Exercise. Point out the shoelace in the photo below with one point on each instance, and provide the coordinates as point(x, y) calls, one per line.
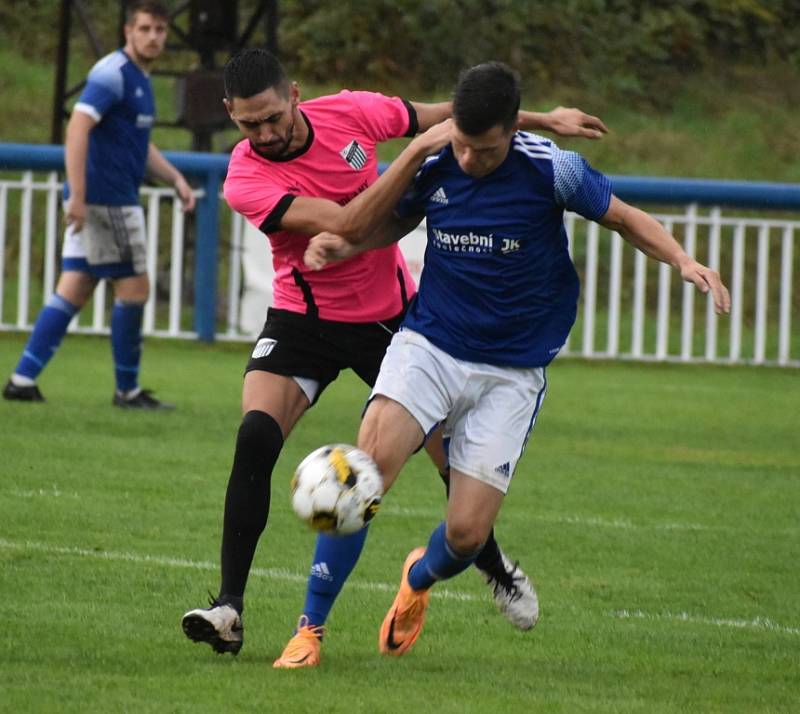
point(298, 645)
point(308, 632)
point(212, 601)
point(508, 582)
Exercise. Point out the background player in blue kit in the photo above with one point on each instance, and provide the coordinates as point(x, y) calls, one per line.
point(497, 298)
point(107, 152)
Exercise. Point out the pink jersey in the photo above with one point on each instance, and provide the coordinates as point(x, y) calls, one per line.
point(337, 163)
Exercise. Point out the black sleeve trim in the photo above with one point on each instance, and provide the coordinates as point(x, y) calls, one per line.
point(413, 122)
point(273, 221)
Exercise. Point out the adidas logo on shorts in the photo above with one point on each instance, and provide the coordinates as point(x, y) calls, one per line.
point(504, 469)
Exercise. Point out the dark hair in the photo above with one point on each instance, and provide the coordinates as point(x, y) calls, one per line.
point(156, 8)
point(252, 71)
point(486, 95)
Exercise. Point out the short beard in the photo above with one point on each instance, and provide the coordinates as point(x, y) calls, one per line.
point(269, 154)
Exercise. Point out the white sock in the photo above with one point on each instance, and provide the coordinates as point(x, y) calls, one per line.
point(19, 380)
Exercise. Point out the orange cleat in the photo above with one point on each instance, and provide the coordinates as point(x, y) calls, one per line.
point(405, 618)
point(303, 649)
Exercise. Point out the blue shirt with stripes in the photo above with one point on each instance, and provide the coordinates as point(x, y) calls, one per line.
point(119, 96)
point(498, 285)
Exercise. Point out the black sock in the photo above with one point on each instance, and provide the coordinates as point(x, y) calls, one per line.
point(258, 445)
point(489, 559)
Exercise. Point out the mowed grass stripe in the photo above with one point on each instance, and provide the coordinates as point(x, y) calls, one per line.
point(439, 592)
point(270, 573)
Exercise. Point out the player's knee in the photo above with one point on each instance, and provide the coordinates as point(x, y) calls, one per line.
point(135, 289)
point(464, 537)
point(260, 432)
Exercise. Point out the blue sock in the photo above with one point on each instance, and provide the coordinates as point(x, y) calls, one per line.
point(50, 328)
point(440, 562)
point(334, 559)
point(126, 343)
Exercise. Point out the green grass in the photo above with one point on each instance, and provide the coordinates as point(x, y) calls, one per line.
point(657, 509)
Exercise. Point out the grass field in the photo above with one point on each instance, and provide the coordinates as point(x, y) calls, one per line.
point(656, 508)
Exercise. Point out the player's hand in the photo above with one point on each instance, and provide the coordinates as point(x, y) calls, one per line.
point(325, 248)
point(706, 279)
point(569, 121)
point(75, 214)
point(435, 138)
point(185, 194)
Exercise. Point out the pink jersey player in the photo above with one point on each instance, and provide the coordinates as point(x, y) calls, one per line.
point(337, 162)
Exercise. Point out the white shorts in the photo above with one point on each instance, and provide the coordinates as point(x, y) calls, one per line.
point(110, 244)
point(487, 411)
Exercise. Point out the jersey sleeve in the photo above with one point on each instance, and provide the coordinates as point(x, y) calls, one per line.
point(578, 187)
point(383, 117)
point(104, 87)
point(249, 193)
point(414, 200)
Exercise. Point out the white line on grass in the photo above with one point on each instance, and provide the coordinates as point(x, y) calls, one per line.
point(436, 515)
point(759, 623)
point(443, 593)
point(595, 521)
point(272, 573)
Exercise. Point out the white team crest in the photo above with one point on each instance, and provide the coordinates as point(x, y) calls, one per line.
point(439, 196)
point(354, 155)
point(263, 347)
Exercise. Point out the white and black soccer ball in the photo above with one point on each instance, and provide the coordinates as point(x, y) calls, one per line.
point(337, 489)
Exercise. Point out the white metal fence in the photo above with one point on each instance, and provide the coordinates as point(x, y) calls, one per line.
point(631, 307)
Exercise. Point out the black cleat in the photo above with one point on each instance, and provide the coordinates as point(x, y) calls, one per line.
point(143, 400)
point(16, 393)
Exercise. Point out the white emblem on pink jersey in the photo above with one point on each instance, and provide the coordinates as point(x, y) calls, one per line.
point(354, 155)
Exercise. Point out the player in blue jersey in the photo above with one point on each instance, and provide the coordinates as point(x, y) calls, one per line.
point(497, 298)
point(291, 178)
point(107, 153)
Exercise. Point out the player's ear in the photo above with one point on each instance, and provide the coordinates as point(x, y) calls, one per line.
point(294, 93)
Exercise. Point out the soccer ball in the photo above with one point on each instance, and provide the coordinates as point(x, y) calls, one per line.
point(337, 489)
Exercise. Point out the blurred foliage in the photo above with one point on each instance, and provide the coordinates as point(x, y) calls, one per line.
point(677, 80)
point(630, 47)
point(627, 46)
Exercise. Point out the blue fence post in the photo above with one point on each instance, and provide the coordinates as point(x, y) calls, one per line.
point(206, 260)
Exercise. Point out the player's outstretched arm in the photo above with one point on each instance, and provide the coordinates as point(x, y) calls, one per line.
point(430, 114)
point(644, 232)
point(326, 247)
point(564, 121)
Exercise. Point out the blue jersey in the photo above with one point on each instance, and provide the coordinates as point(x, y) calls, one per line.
point(118, 95)
point(498, 284)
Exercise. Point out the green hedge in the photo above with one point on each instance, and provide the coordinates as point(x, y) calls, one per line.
point(633, 46)
point(626, 43)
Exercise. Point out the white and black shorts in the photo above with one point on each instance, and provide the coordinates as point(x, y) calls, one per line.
point(111, 243)
point(488, 412)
